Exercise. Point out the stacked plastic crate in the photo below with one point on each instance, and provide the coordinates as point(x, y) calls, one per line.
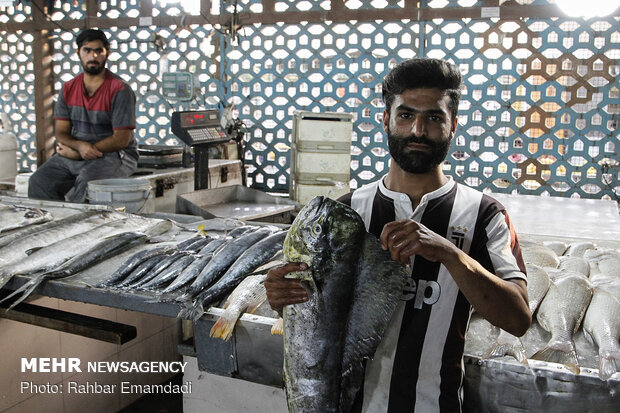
point(320, 155)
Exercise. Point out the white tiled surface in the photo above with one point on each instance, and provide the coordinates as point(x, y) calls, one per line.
point(156, 341)
point(213, 393)
point(563, 217)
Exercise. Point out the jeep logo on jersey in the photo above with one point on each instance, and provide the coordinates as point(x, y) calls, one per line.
point(425, 292)
point(457, 235)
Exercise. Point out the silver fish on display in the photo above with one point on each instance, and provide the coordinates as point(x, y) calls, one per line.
point(575, 264)
point(603, 261)
point(540, 255)
point(132, 263)
point(578, 249)
point(247, 296)
point(6, 239)
point(558, 247)
point(561, 313)
point(14, 217)
point(162, 265)
point(601, 326)
point(224, 258)
point(141, 270)
point(167, 275)
point(102, 250)
point(253, 257)
point(537, 285)
point(51, 256)
point(349, 274)
point(67, 227)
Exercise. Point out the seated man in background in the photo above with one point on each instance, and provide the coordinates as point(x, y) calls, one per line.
point(94, 122)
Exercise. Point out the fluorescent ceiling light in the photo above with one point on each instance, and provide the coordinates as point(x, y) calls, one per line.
point(587, 9)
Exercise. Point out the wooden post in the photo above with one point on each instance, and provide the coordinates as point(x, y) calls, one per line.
point(43, 87)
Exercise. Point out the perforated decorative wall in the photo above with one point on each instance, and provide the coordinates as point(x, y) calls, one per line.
point(538, 115)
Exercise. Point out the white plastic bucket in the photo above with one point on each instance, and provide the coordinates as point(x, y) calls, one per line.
point(132, 194)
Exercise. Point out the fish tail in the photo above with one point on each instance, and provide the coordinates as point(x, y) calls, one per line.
point(185, 310)
point(278, 327)
point(191, 311)
point(4, 278)
point(562, 352)
point(609, 363)
point(507, 349)
point(197, 311)
point(27, 289)
point(224, 326)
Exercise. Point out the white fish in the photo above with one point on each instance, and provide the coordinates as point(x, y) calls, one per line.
point(249, 294)
point(558, 247)
point(537, 285)
point(578, 249)
point(540, 255)
point(561, 313)
point(13, 217)
point(605, 261)
point(49, 257)
point(575, 264)
point(601, 325)
point(17, 249)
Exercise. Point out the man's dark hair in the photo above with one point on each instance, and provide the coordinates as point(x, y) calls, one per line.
point(423, 73)
point(88, 35)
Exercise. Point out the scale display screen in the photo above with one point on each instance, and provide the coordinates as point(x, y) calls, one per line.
point(198, 127)
point(177, 85)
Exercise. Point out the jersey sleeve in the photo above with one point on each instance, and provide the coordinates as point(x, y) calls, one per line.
point(124, 109)
point(61, 110)
point(503, 248)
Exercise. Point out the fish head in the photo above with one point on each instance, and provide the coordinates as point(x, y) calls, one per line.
point(323, 227)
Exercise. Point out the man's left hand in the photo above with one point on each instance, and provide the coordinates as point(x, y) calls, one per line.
point(406, 237)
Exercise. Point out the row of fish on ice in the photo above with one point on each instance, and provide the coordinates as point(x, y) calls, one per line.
point(201, 271)
point(33, 243)
point(570, 285)
point(196, 272)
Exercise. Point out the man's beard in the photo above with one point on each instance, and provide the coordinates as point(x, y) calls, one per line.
point(417, 162)
point(93, 70)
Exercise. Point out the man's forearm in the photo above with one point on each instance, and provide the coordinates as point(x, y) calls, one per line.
point(501, 302)
point(113, 143)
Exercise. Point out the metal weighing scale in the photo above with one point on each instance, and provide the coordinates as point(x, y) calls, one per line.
point(199, 129)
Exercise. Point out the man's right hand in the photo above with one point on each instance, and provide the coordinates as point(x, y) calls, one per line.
point(283, 291)
point(67, 152)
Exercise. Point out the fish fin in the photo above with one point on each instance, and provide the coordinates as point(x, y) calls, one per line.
point(515, 350)
point(609, 363)
point(278, 327)
point(32, 250)
point(253, 307)
point(224, 326)
point(562, 352)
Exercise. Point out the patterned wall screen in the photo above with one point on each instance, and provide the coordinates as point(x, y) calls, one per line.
point(539, 112)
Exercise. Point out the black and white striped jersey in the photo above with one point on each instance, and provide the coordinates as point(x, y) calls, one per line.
point(418, 366)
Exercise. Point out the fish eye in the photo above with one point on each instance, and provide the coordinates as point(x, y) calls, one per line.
point(316, 229)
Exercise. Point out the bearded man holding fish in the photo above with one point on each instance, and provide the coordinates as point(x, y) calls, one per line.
point(460, 247)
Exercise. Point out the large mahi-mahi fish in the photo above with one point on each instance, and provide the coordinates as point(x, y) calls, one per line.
point(353, 288)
